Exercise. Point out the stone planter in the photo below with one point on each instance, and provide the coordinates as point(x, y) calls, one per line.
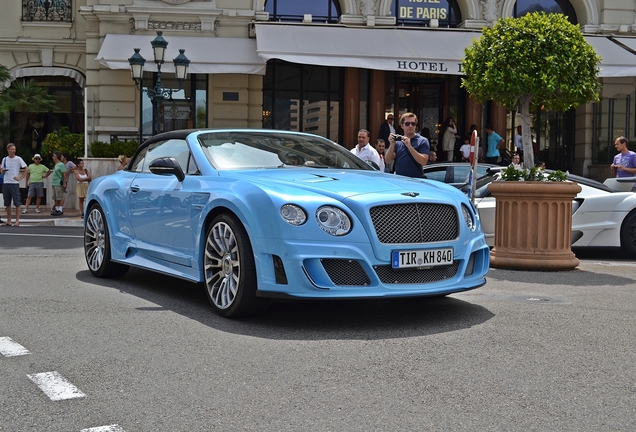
point(533, 225)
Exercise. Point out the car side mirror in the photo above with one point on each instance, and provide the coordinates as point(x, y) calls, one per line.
point(167, 166)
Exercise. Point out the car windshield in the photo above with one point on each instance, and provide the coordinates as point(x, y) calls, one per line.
point(267, 149)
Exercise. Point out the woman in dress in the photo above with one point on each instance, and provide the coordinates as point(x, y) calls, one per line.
point(448, 138)
point(83, 177)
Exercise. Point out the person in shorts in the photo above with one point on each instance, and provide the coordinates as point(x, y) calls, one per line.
point(10, 166)
point(83, 178)
point(59, 183)
point(70, 168)
point(35, 183)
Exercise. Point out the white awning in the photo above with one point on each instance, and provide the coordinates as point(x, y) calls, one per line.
point(628, 42)
point(616, 61)
point(49, 71)
point(437, 51)
point(208, 55)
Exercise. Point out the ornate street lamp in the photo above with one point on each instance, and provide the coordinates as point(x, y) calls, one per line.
point(158, 93)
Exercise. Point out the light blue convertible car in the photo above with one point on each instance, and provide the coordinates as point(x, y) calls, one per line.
point(262, 214)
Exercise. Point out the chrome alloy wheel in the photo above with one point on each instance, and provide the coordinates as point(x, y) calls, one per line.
point(222, 265)
point(94, 240)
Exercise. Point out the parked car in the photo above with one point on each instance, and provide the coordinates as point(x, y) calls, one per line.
point(454, 173)
point(601, 215)
point(256, 214)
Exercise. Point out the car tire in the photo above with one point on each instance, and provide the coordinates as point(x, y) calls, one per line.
point(97, 245)
point(628, 234)
point(229, 269)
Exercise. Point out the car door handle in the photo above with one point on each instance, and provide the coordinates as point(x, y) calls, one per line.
point(134, 188)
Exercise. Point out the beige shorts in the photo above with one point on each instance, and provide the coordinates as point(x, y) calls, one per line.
point(58, 193)
point(81, 190)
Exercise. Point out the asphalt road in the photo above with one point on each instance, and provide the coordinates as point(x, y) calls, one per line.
point(529, 351)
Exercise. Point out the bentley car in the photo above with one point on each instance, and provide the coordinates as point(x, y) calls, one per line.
point(262, 214)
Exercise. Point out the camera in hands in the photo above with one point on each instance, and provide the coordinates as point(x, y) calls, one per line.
point(397, 137)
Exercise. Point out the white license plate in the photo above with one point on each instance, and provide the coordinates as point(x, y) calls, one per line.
point(422, 258)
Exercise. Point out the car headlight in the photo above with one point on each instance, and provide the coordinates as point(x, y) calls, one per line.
point(293, 215)
point(333, 221)
point(468, 218)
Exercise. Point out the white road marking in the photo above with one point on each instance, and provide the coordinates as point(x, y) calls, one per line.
point(10, 348)
point(55, 386)
point(109, 428)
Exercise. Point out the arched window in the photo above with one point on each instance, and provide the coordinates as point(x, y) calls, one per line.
point(294, 10)
point(564, 7)
point(420, 14)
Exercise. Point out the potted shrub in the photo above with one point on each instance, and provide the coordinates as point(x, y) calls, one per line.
point(533, 220)
point(537, 60)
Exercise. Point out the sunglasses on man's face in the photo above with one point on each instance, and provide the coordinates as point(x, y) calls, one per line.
point(410, 123)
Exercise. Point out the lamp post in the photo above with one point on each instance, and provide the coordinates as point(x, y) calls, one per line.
point(158, 93)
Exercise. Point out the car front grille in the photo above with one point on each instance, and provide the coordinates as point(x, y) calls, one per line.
point(389, 275)
point(415, 223)
point(345, 272)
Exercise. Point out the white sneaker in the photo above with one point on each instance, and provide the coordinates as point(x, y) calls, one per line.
point(24, 211)
point(37, 210)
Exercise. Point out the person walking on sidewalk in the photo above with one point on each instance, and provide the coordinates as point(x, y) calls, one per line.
point(35, 183)
point(10, 167)
point(59, 183)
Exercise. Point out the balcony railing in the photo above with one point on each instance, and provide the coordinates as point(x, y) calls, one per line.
point(47, 11)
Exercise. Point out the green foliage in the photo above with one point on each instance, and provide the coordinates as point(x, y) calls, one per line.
point(557, 176)
point(533, 174)
point(539, 55)
point(26, 98)
point(4, 75)
point(114, 149)
point(72, 145)
point(511, 174)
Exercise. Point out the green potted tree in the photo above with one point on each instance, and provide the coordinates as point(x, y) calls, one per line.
point(524, 63)
point(533, 220)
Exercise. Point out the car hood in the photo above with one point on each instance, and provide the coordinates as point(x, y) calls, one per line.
point(338, 184)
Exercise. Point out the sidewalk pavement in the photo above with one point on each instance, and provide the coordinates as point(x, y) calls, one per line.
point(71, 217)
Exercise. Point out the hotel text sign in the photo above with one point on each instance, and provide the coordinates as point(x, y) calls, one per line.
point(430, 67)
point(422, 9)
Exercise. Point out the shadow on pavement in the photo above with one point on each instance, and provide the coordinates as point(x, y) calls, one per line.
point(303, 320)
point(574, 278)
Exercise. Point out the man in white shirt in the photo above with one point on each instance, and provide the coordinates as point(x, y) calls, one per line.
point(11, 166)
point(364, 150)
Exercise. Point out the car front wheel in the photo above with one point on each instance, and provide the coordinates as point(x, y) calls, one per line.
point(230, 273)
point(628, 234)
point(97, 245)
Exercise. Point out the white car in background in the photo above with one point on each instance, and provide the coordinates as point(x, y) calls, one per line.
point(603, 214)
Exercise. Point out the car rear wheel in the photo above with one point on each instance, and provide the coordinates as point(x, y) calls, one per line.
point(230, 273)
point(97, 245)
point(628, 234)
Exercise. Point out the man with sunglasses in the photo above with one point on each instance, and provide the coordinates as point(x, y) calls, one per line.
point(410, 151)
